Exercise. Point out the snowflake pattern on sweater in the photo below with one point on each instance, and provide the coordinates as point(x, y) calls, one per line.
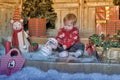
point(68, 38)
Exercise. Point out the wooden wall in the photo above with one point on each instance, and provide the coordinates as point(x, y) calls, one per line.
point(7, 8)
point(83, 9)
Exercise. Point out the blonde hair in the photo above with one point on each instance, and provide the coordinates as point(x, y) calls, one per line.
point(70, 17)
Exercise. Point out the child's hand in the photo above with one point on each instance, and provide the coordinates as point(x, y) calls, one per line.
point(64, 46)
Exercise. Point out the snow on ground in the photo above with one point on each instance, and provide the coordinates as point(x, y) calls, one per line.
point(38, 56)
point(31, 73)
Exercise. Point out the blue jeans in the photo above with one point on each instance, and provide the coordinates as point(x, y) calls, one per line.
point(73, 48)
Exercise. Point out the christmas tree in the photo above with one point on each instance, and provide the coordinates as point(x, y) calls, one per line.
point(39, 9)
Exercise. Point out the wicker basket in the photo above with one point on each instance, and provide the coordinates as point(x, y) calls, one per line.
point(99, 50)
point(112, 55)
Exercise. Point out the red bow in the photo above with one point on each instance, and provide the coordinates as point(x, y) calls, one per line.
point(90, 48)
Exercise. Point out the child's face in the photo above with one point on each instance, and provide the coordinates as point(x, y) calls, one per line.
point(68, 25)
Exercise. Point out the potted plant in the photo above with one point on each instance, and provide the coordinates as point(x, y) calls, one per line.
point(108, 46)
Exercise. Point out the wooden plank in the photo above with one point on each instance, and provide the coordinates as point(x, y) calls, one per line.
point(42, 40)
point(65, 1)
point(104, 68)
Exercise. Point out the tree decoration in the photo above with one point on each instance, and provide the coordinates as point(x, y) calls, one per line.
point(39, 9)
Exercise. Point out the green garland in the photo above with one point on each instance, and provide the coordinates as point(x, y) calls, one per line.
point(108, 41)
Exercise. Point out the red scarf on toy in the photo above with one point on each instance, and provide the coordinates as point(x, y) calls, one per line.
point(15, 38)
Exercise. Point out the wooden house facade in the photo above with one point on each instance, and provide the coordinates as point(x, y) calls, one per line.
point(83, 9)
